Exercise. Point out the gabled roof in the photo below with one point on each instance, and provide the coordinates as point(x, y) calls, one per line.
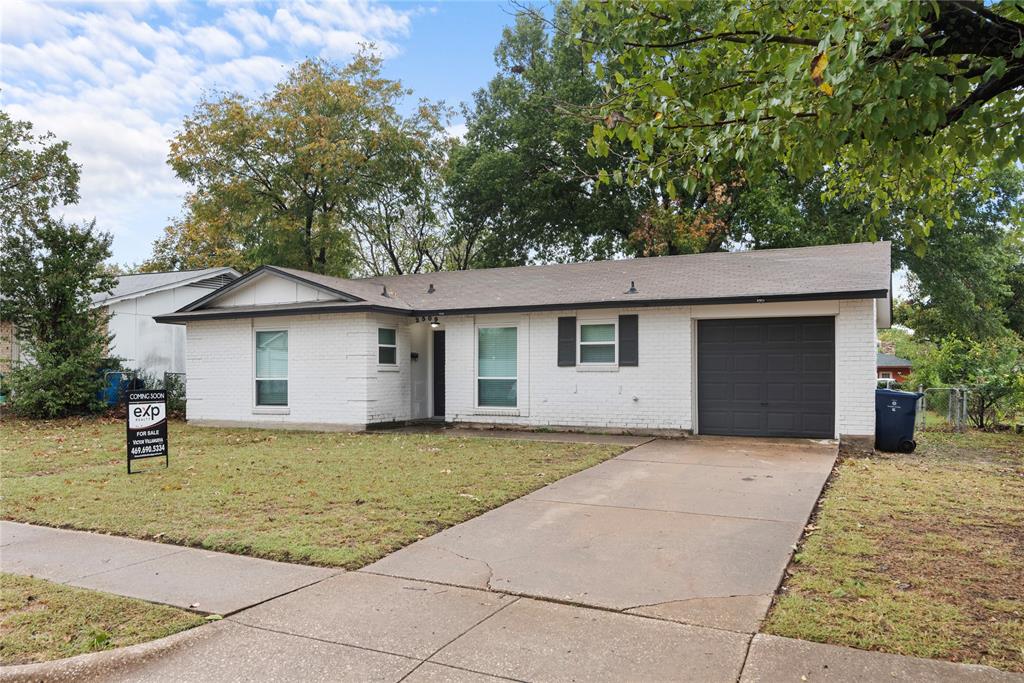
point(887, 360)
point(847, 271)
point(809, 272)
point(141, 284)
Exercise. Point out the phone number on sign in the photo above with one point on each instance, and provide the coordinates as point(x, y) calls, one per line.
point(155, 449)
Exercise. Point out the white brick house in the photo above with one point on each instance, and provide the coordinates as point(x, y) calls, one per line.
point(773, 342)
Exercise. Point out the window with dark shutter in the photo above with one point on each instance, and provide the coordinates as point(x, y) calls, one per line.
point(629, 353)
point(566, 341)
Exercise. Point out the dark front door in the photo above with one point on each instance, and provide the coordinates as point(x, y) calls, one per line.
point(766, 377)
point(438, 364)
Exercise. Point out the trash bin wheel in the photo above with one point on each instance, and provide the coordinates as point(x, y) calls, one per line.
point(907, 446)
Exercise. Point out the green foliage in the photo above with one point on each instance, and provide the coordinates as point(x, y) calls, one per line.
point(36, 174)
point(963, 283)
point(992, 369)
point(898, 101)
point(521, 185)
point(280, 178)
point(48, 274)
point(49, 271)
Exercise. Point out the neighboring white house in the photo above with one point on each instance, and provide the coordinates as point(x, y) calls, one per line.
point(139, 341)
point(773, 342)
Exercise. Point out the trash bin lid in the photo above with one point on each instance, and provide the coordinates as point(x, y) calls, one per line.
point(897, 394)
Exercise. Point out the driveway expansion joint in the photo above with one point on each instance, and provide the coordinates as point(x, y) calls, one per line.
point(322, 640)
point(280, 595)
point(668, 512)
point(435, 652)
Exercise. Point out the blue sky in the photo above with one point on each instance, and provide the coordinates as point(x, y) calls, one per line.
point(116, 78)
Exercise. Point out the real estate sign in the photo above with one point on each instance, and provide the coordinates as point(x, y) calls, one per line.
point(147, 425)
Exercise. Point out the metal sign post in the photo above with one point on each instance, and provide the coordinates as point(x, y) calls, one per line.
point(147, 426)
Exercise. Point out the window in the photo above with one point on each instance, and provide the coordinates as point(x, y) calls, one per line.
point(272, 368)
point(496, 367)
point(885, 375)
point(387, 346)
point(597, 343)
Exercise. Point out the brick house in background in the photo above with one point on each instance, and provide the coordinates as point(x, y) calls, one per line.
point(893, 367)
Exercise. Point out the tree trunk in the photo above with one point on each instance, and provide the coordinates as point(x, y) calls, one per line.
point(308, 245)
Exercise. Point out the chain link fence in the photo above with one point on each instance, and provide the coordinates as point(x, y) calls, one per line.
point(943, 408)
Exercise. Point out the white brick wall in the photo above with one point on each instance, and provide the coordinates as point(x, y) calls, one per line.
point(334, 377)
point(855, 367)
point(328, 357)
point(653, 395)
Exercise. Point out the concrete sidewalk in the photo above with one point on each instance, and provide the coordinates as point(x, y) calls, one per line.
point(201, 580)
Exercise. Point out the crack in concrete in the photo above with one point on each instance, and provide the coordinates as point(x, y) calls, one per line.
point(746, 656)
point(709, 597)
point(126, 566)
point(490, 569)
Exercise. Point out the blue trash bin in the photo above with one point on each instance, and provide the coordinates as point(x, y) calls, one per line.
point(895, 413)
point(114, 383)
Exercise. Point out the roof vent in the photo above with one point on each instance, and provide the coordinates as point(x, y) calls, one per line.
point(632, 287)
point(385, 292)
point(430, 289)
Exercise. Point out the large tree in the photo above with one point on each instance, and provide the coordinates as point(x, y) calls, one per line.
point(49, 271)
point(521, 185)
point(281, 178)
point(897, 102)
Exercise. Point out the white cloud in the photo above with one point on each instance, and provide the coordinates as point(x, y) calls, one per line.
point(457, 130)
point(214, 41)
point(116, 79)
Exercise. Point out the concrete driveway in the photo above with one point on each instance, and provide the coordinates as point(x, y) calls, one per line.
point(697, 531)
point(678, 544)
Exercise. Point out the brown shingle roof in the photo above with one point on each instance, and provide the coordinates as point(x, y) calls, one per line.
point(846, 270)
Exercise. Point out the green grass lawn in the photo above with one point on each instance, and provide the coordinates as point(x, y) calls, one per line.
point(40, 620)
point(917, 554)
point(335, 499)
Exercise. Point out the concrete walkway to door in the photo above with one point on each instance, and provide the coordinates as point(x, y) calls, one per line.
point(697, 531)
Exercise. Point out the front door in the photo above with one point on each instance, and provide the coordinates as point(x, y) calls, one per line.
point(438, 363)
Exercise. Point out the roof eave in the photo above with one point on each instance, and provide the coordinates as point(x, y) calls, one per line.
point(182, 317)
point(162, 288)
point(649, 303)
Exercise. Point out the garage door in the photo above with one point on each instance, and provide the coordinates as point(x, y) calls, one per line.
point(766, 377)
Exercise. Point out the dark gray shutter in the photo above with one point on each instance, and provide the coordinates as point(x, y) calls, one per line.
point(566, 341)
point(629, 352)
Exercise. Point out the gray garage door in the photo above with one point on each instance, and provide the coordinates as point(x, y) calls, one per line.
point(766, 377)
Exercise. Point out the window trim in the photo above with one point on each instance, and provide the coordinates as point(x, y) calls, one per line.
point(580, 324)
point(387, 366)
point(885, 374)
point(494, 410)
point(257, 407)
